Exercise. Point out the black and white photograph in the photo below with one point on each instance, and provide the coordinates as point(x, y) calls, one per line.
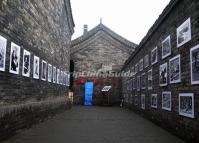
point(175, 69)
point(146, 61)
point(36, 67)
point(154, 100)
point(184, 33)
point(163, 75)
point(141, 64)
point(166, 101)
point(136, 100)
point(58, 76)
point(144, 81)
point(150, 79)
point(138, 83)
point(166, 47)
point(186, 104)
point(26, 63)
point(143, 101)
point(136, 68)
point(194, 62)
point(49, 73)
point(14, 58)
point(44, 70)
point(54, 74)
point(3, 44)
point(154, 56)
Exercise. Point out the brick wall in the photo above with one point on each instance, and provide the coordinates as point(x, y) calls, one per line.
point(185, 126)
point(43, 28)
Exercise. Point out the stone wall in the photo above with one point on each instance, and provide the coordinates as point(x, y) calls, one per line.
point(100, 50)
point(180, 119)
point(43, 28)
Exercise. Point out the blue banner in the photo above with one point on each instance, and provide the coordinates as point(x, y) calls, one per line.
point(88, 93)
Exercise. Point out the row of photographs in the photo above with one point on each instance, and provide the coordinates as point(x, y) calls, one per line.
point(48, 73)
point(174, 69)
point(186, 102)
point(183, 36)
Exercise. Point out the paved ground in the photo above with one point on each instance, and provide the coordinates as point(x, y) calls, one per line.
point(95, 125)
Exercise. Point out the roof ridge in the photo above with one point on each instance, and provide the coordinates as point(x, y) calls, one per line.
point(104, 28)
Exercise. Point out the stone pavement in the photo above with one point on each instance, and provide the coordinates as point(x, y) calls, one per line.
point(95, 125)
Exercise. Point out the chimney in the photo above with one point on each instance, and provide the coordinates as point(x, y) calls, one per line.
point(85, 29)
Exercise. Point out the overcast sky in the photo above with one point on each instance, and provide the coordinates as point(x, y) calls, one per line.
point(129, 18)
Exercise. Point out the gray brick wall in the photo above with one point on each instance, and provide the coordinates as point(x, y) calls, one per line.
point(44, 28)
point(166, 25)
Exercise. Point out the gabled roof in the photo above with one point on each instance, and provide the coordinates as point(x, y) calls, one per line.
point(102, 27)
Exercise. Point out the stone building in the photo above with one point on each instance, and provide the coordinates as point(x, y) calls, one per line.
point(103, 51)
point(165, 64)
point(29, 29)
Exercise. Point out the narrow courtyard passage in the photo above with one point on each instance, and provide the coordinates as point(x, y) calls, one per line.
point(95, 125)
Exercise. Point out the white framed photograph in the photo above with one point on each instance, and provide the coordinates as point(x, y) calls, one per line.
point(175, 69)
point(184, 33)
point(150, 80)
point(44, 70)
point(136, 68)
point(14, 58)
point(143, 101)
point(136, 100)
point(26, 63)
point(54, 74)
point(146, 61)
point(194, 62)
point(154, 56)
point(166, 101)
point(154, 100)
point(144, 81)
point(68, 80)
point(36, 67)
point(163, 75)
point(50, 73)
point(166, 47)
point(141, 64)
point(3, 45)
point(186, 104)
point(58, 76)
point(138, 83)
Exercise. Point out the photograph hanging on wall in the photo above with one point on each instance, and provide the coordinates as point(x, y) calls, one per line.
point(49, 73)
point(136, 68)
point(26, 63)
point(166, 47)
point(36, 68)
point(194, 62)
point(163, 75)
point(143, 101)
point(58, 76)
point(14, 58)
point(54, 74)
point(154, 56)
point(186, 104)
point(144, 81)
point(175, 70)
point(3, 44)
point(138, 83)
point(141, 64)
point(154, 100)
point(184, 33)
point(44, 70)
point(136, 100)
point(166, 101)
point(150, 79)
point(146, 61)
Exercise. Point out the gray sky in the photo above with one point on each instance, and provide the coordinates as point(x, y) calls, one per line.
point(128, 18)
